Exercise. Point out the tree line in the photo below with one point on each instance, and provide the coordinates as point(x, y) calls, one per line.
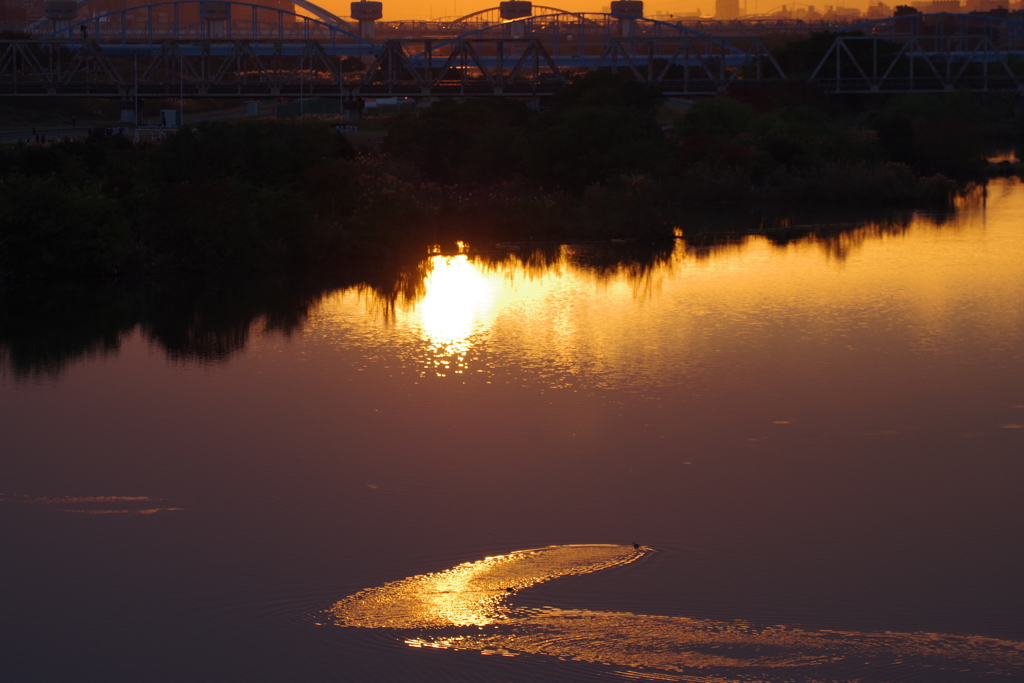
point(596, 162)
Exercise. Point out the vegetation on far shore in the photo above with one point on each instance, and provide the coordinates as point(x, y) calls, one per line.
point(596, 163)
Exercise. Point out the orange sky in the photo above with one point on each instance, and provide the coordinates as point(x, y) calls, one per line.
point(433, 9)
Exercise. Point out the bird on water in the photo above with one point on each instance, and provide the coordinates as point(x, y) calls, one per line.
point(636, 546)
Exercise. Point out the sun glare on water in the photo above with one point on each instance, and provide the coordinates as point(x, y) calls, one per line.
point(459, 302)
point(475, 594)
point(472, 593)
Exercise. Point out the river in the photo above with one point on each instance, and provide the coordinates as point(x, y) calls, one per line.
point(792, 456)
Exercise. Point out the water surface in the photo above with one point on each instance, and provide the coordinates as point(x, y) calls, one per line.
point(815, 436)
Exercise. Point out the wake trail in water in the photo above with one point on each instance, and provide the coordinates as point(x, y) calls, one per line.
point(473, 594)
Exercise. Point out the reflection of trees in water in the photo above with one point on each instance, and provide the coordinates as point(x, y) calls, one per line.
point(404, 286)
point(43, 331)
point(388, 289)
point(211, 323)
point(602, 259)
point(837, 232)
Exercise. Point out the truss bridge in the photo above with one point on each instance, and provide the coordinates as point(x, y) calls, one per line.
point(224, 49)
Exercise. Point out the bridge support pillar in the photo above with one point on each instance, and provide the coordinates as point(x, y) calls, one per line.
point(367, 13)
point(510, 11)
point(61, 12)
point(214, 14)
point(352, 109)
point(128, 113)
point(513, 30)
point(627, 11)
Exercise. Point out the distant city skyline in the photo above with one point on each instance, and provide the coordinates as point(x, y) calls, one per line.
point(395, 10)
point(434, 9)
point(437, 9)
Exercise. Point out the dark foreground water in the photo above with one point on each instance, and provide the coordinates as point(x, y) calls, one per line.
point(816, 439)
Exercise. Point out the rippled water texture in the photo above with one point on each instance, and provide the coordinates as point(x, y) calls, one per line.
point(815, 434)
point(472, 594)
point(476, 593)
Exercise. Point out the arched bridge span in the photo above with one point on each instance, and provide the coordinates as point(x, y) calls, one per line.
point(249, 51)
point(201, 20)
point(200, 48)
point(42, 24)
point(492, 15)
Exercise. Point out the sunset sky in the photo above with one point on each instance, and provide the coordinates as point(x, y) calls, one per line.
point(433, 9)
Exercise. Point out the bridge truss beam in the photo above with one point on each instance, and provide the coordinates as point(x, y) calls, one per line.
point(915, 63)
point(173, 49)
point(413, 68)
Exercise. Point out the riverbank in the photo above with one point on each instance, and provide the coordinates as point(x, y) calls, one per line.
point(259, 194)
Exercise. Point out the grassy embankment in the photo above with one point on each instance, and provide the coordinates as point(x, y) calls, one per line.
point(57, 113)
point(252, 195)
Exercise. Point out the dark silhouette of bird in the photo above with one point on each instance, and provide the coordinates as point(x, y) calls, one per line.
point(510, 590)
point(636, 546)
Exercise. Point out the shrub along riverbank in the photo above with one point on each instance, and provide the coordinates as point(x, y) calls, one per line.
point(258, 194)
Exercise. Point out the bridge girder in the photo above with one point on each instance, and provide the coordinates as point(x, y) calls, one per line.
point(249, 58)
point(925, 53)
point(413, 68)
point(153, 21)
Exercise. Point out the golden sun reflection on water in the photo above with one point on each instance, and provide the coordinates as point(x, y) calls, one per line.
point(473, 594)
point(582, 317)
point(459, 302)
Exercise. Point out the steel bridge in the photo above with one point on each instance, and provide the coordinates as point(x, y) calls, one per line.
point(925, 53)
point(200, 48)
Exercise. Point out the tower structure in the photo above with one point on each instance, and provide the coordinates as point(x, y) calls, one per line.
point(515, 9)
point(727, 10)
point(61, 13)
point(367, 13)
point(628, 11)
point(510, 11)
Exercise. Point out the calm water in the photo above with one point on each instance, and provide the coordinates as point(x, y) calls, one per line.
point(818, 443)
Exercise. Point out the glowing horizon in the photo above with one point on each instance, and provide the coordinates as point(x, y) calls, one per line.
point(396, 10)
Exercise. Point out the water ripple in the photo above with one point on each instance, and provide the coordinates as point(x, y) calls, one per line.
point(465, 608)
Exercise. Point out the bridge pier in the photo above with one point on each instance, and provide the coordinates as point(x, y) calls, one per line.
point(61, 12)
point(627, 11)
point(367, 13)
point(128, 113)
point(352, 109)
point(214, 16)
point(511, 11)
